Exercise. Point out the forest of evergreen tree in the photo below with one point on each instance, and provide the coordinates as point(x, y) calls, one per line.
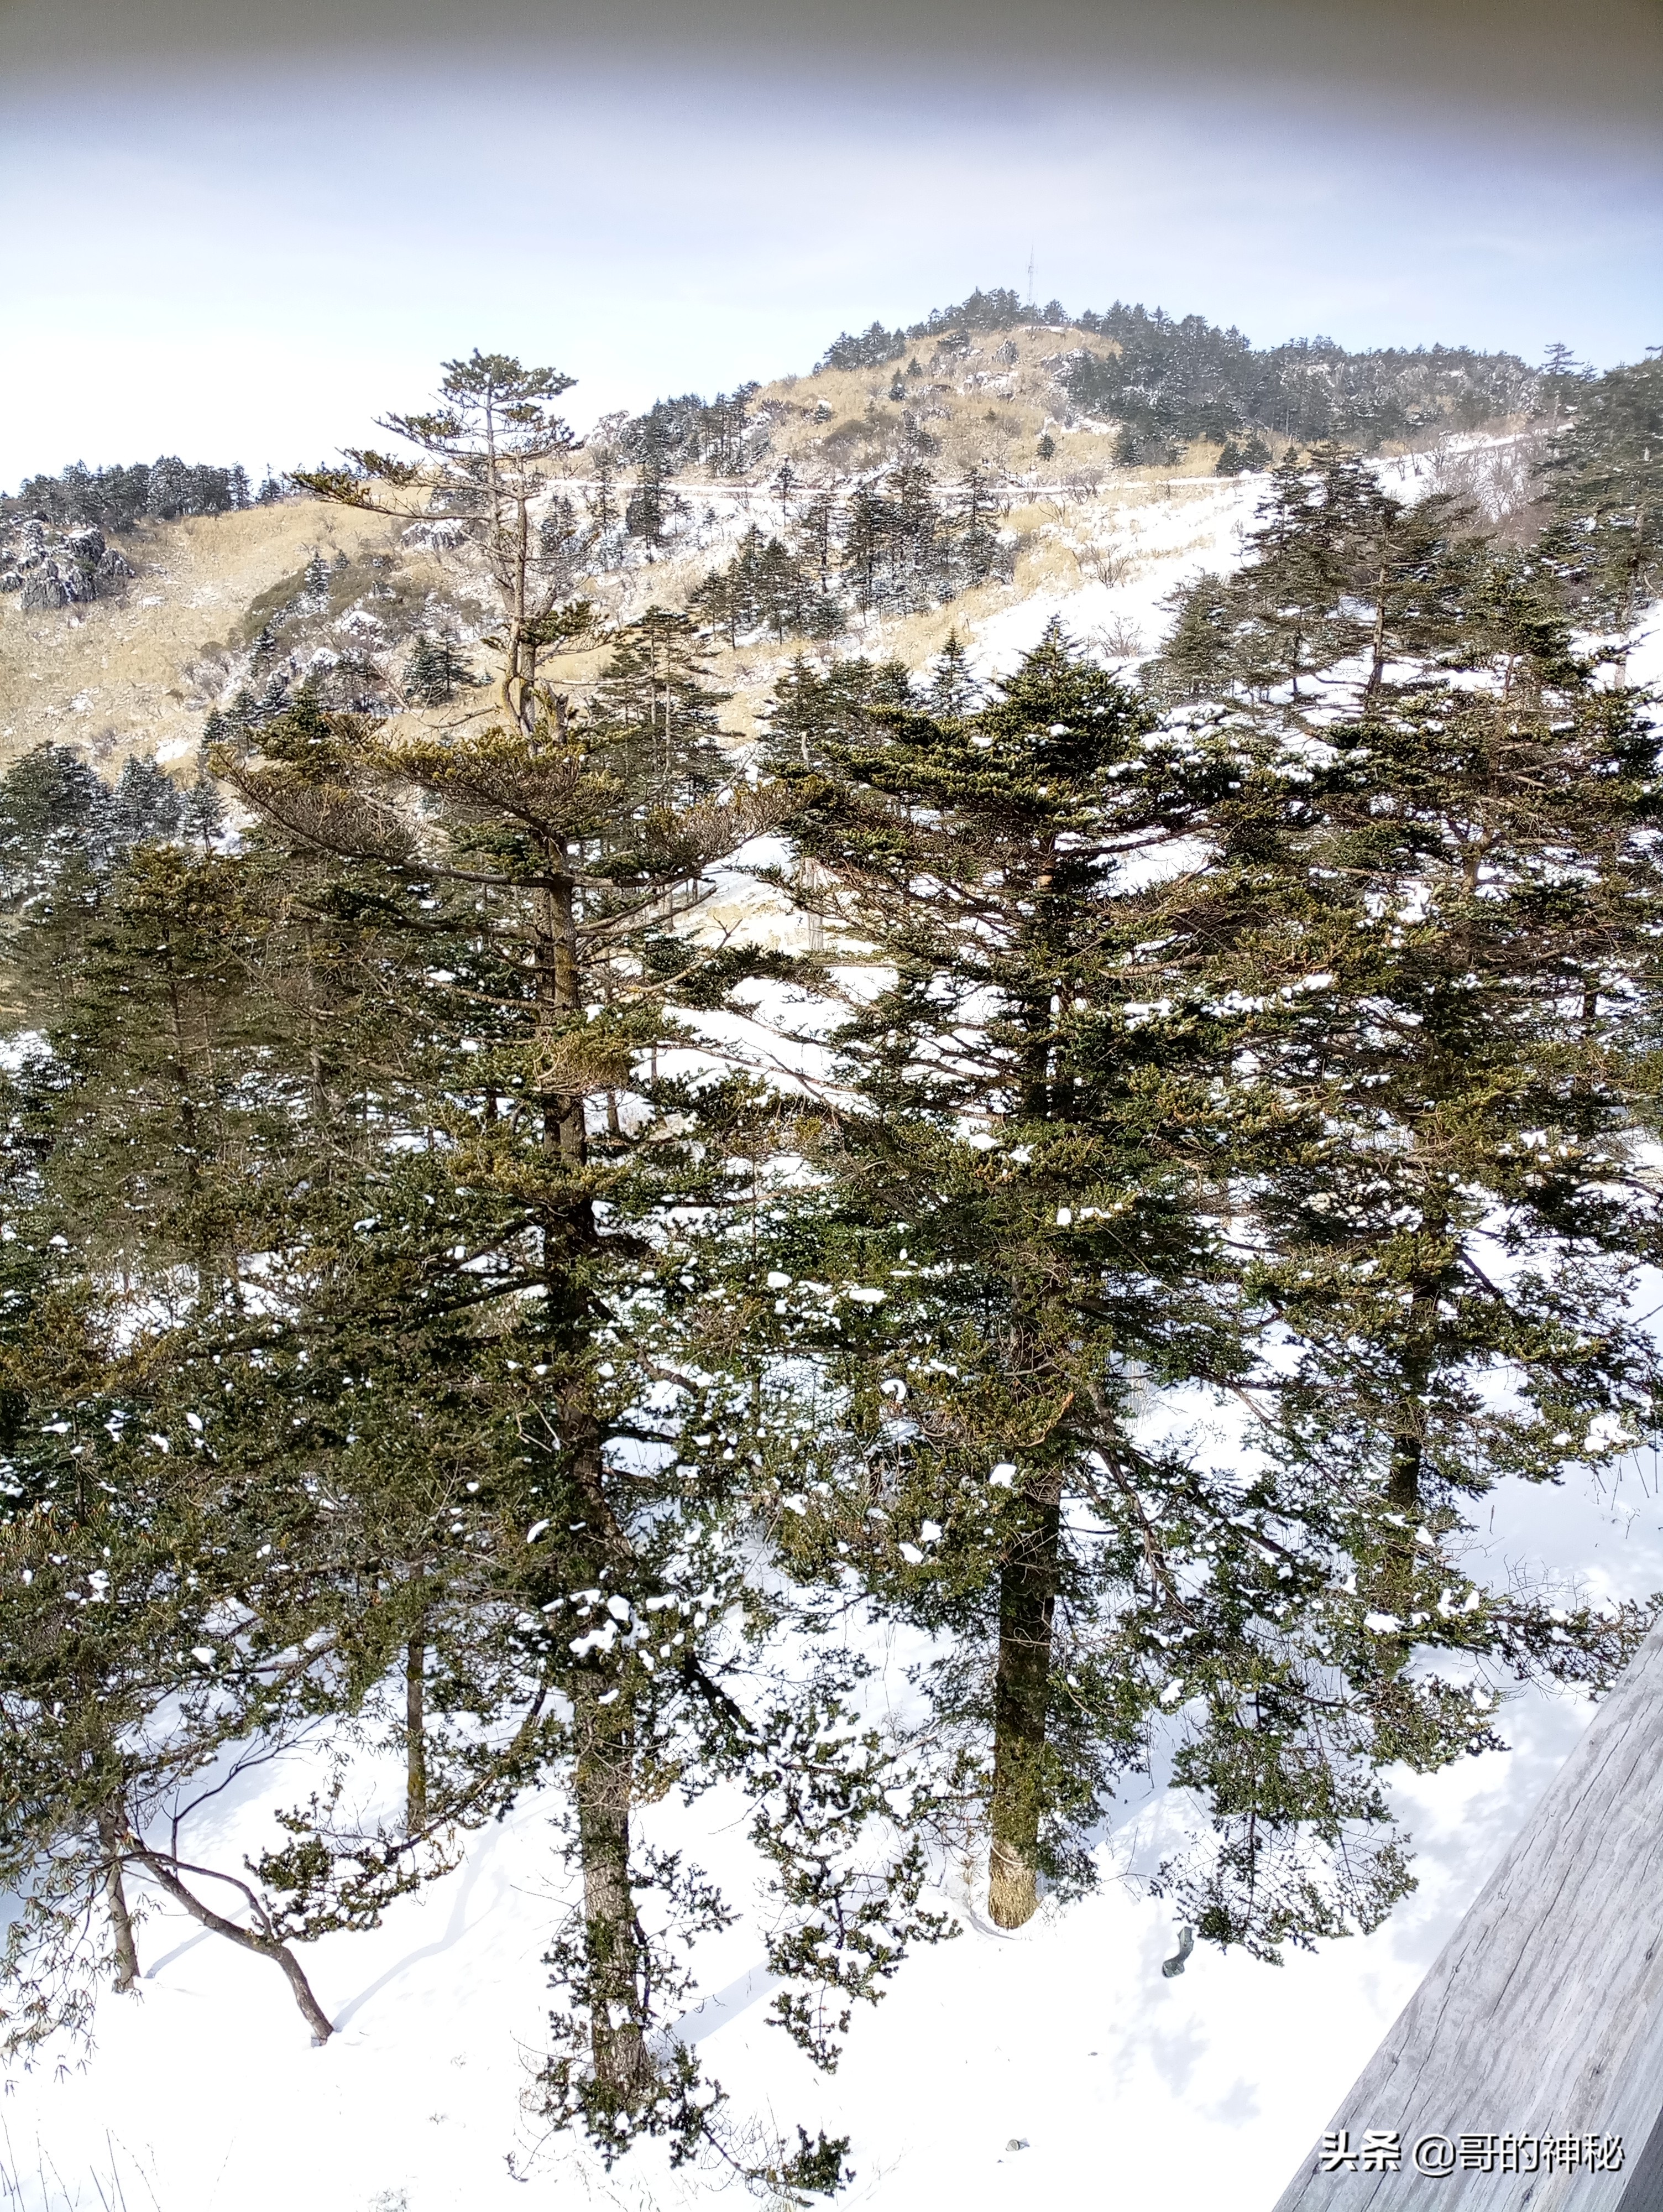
point(433, 1330)
point(119, 498)
point(1175, 378)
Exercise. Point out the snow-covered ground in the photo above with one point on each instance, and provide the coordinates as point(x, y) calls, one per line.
point(1130, 559)
point(1199, 2093)
point(1120, 2087)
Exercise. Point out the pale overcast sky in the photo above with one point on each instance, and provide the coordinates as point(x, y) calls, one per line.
point(240, 235)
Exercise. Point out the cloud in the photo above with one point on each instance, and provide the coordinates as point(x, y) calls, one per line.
point(1600, 61)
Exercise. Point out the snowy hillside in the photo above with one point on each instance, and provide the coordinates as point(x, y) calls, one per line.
point(1078, 529)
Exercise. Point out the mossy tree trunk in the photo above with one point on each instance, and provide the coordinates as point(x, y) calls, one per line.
point(1028, 1600)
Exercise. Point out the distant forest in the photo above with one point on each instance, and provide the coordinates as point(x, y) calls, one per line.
point(1175, 378)
point(121, 497)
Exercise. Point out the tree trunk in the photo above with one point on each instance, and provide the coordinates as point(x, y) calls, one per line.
point(1027, 1598)
point(560, 994)
point(612, 1943)
point(603, 1735)
point(1396, 1586)
point(1403, 1484)
point(1403, 1481)
point(264, 1946)
point(603, 1773)
point(1028, 1578)
point(415, 1748)
point(115, 1897)
point(1377, 650)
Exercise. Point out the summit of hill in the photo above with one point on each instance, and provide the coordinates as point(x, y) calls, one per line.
point(936, 479)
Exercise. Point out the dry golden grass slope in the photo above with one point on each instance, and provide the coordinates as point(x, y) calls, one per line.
point(986, 404)
point(138, 673)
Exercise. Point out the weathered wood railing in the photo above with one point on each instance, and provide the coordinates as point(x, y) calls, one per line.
point(1535, 2044)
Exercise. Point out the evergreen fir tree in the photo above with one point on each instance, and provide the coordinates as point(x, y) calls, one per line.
point(765, 587)
point(815, 524)
point(954, 690)
point(1606, 478)
point(645, 510)
point(916, 553)
point(1337, 572)
point(202, 818)
point(571, 1251)
point(561, 543)
point(867, 530)
point(487, 447)
point(167, 490)
point(975, 554)
point(141, 1166)
point(119, 1687)
point(656, 704)
point(434, 671)
point(1029, 1265)
point(602, 499)
point(1155, 1055)
point(146, 803)
point(811, 709)
point(1434, 892)
point(55, 815)
point(1562, 376)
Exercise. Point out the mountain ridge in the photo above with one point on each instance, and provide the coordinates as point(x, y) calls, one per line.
point(1036, 441)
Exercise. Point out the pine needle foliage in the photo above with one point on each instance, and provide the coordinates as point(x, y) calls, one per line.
point(1434, 903)
point(437, 1332)
point(1605, 477)
point(487, 448)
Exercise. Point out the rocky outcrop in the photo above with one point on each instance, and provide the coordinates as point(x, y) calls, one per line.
point(51, 567)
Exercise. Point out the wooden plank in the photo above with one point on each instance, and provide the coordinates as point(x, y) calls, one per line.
point(1543, 2017)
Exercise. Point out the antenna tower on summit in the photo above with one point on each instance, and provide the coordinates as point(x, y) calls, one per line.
point(1030, 276)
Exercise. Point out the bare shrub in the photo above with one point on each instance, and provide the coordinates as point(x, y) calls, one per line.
point(1119, 638)
point(1501, 480)
point(1104, 560)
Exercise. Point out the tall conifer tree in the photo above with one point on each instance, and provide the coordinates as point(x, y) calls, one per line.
point(1606, 475)
point(1432, 900)
point(1034, 1213)
point(559, 1259)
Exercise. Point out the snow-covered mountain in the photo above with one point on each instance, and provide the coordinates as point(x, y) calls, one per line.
point(137, 666)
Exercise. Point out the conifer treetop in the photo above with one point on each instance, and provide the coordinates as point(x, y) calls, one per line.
point(486, 450)
point(494, 415)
